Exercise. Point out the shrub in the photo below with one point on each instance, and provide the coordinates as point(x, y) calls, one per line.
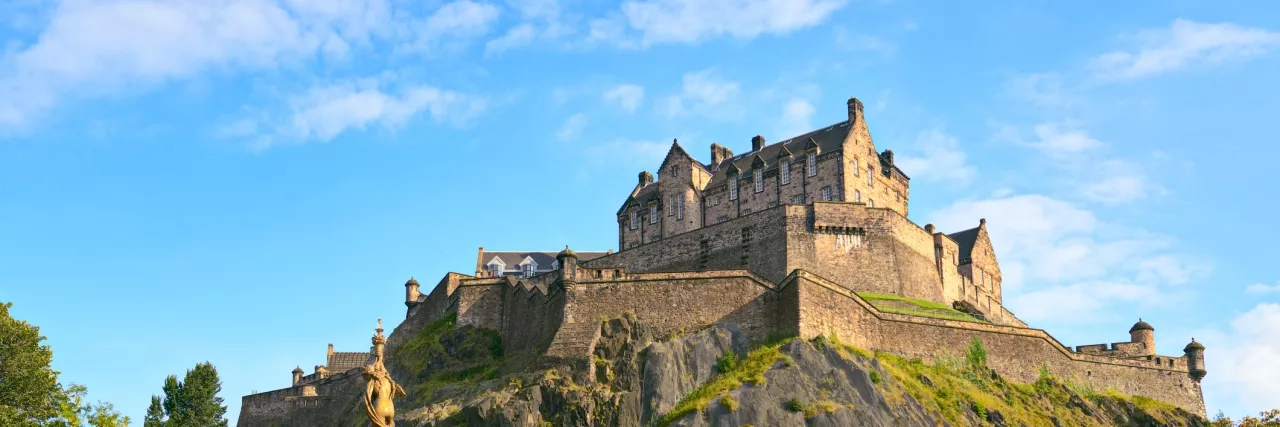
point(729, 403)
point(875, 377)
point(727, 362)
point(794, 405)
point(976, 355)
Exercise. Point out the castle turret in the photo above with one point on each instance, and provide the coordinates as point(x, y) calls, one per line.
point(568, 263)
point(297, 375)
point(411, 292)
point(1142, 332)
point(1194, 353)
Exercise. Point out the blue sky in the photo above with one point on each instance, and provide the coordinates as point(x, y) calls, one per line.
point(246, 181)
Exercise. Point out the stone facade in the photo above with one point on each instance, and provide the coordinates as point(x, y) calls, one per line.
point(812, 222)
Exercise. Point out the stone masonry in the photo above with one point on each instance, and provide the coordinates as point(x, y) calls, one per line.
point(778, 241)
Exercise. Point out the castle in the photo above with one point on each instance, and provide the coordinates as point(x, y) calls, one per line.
point(808, 236)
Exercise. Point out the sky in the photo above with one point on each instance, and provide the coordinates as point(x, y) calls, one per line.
point(246, 181)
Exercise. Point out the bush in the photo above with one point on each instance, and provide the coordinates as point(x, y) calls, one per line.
point(729, 403)
point(727, 362)
point(976, 355)
point(794, 405)
point(875, 377)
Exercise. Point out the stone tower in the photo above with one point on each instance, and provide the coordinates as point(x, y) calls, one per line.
point(1143, 332)
point(297, 375)
point(411, 292)
point(1194, 352)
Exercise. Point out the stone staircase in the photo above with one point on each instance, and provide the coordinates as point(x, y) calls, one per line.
point(575, 340)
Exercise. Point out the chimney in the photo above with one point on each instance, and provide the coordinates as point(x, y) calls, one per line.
point(646, 178)
point(888, 155)
point(855, 111)
point(330, 350)
point(719, 153)
point(757, 143)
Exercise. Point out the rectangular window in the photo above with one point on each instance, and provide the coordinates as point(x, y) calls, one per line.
point(653, 214)
point(680, 208)
point(857, 196)
point(870, 174)
point(495, 269)
point(759, 177)
point(871, 203)
point(855, 166)
point(635, 220)
point(671, 207)
point(826, 193)
point(785, 171)
point(733, 188)
point(529, 270)
point(797, 200)
point(813, 164)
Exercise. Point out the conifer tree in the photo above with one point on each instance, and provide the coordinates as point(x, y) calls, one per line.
point(193, 402)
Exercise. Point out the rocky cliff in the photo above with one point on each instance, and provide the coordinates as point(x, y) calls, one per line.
point(712, 377)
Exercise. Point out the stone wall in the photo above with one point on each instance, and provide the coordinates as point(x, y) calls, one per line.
point(323, 403)
point(1016, 353)
point(755, 242)
point(479, 302)
point(531, 315)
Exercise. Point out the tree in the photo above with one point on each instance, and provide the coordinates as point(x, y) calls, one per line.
point(30, 394)
point(1265, 419)
point(193, 402)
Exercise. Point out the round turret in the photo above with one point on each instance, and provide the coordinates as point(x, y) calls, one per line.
point(1194, 353)
point(411, 292)
point(566, 253)
point(1143, 332)
point(297, 375)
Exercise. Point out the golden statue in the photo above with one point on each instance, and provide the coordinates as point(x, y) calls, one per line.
point(381, 389)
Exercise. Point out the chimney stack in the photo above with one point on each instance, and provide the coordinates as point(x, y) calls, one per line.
point(646, 178)
point(757, 143)
point(719, 153)
point(855, 111)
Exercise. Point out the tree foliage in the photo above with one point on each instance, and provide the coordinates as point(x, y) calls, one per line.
point(1265, 419)
point(192, 402)
point(30, 394)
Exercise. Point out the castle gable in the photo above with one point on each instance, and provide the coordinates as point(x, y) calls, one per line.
point(965, 240)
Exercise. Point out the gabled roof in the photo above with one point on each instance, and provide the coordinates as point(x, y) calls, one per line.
point(825, 139)
point(543, 259)
point(676, 150)
point(342, 361)
point(966, 239)
point(643, 196)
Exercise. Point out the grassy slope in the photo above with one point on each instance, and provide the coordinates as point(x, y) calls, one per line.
point(922, 308)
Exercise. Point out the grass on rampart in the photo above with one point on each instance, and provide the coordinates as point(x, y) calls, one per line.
point(924, 308)
point(441, 354)
point(732, 373)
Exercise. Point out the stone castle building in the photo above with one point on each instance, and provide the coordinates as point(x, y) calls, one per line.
point(808, 236)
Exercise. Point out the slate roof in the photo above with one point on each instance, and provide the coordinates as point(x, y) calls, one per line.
point(826, 139)
point(966, 239)
point(342, 361)
point(513, 259)
point(1141, 326)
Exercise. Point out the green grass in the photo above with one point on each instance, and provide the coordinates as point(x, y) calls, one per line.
point(922, 308)
point(749, 369)
point(442, 355)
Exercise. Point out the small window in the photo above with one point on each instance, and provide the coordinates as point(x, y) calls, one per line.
point(759, 177)
point(870, 173)
point(855, 166)
point(826, 193)
point(797, 200)
point(680, 208)
point(635, 220)
point(529, 269)
point(495, 269)
point(671, 207)
point(718, 201)
point(733, 188)
point(857, 196)
point(653, 214)
point(785, 171)
point(871, 203)
point(813, 164)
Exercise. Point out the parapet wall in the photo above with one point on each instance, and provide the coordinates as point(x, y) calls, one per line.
point(320, 403)
point(1016, 353)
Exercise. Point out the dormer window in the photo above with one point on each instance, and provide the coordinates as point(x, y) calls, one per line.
point(495, 269)
point(813, 164)
point(635, 220)
point(529, 269)
point(653, 214)
point(733, 188)
point(759, 177)
point(784, 171)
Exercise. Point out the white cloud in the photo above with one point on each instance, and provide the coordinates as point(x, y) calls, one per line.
point(678, 21)
point(1058, 140)
point(1061, 264)
point(1182, 44)
point(1241, 362)
point(517, 36)
point(324, 112)
point(95, 48)
point(1117, 181)
point(626, 96)
point(796, 117)
point(701, 91)
point(572, 127)
point(940, 159)
point(1262, 288)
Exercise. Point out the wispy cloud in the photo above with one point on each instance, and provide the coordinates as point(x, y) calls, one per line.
point(678, 21)
point(936, 156)
point(701, 91)
point(572, 127)
point(1184, 43)
point(1262, 288)
point(1242, 366)
point(625, 96)
point(797, 115)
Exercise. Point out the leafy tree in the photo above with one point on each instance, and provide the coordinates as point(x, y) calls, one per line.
point(1265, 419)
point(30, 394)
point(193, 402)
